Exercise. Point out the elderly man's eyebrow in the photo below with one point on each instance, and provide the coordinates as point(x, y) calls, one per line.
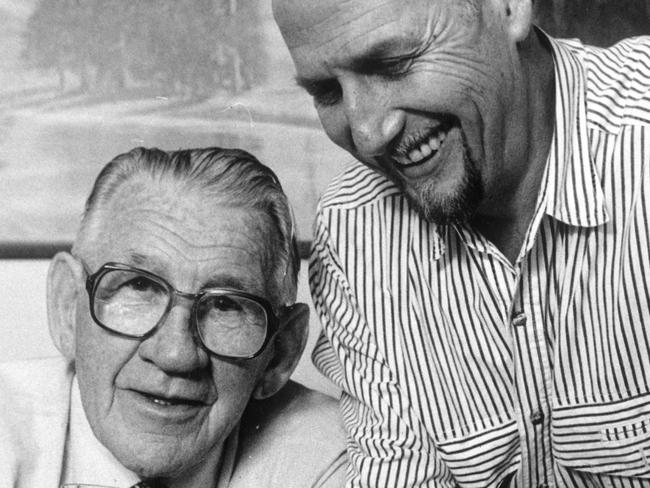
point(231, 281)
point(147, 262)
point(138, 259)
point(219, 280)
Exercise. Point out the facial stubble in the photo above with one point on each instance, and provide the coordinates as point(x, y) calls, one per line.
point(457, 207)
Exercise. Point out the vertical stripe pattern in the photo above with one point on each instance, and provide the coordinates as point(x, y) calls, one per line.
point(460, 369)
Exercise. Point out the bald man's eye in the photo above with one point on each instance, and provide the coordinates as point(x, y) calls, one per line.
point(394, 67)
point(326, 93)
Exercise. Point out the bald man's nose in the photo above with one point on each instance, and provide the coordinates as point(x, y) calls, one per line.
point(373, 123)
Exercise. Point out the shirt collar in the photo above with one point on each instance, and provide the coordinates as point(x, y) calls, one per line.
point(571, 191)
point(571, 187)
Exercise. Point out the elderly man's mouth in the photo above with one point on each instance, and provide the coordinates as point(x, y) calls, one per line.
point(157, 410)
point(171, 401)
point(419, 155)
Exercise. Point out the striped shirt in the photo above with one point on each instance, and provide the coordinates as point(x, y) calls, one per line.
point(459, 368)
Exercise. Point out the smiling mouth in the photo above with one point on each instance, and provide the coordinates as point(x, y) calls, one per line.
point(171, 402)
point(417, 150)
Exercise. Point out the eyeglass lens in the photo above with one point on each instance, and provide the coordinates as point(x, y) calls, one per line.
point(131, 303)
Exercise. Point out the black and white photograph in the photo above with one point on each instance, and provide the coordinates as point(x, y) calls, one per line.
point(325, 243)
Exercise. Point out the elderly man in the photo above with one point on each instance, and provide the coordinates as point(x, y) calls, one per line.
point(176, 317)
point(482, 276)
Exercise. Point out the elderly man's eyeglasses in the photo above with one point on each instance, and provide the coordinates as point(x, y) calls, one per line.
point(132, 302)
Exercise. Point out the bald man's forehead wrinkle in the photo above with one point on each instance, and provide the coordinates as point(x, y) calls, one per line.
point(304, 23)
point(329, 39)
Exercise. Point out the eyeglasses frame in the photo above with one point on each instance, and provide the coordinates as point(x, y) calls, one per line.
point(272, 319)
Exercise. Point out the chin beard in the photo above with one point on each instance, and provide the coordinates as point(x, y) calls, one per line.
point(454, 208)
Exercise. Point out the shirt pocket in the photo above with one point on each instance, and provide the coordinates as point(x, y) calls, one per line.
point(604, 441)
point(483, 458)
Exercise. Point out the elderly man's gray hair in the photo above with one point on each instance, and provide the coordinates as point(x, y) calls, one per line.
point(233, 176)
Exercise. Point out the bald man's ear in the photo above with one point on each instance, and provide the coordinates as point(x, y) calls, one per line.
point(519, 18)
point(288, 347)
point(63, 279)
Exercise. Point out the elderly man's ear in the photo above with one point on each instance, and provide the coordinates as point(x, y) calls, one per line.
point(63, 287)
point(288, 347)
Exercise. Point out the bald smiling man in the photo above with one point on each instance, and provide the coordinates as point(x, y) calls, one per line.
point(480, 273)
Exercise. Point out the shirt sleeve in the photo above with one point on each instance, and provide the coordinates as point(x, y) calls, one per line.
point(387, 444)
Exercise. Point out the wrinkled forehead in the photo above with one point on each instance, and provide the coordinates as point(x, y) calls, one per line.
point(181, 228)
point(304, 22)
point(184, 206)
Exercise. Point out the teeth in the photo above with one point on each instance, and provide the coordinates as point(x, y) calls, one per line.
point(435, 142)
point(161, 402)
point(415, 155)
point(425, 150)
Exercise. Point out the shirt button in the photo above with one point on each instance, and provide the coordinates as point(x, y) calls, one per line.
point(519, 320)
point(536, 418)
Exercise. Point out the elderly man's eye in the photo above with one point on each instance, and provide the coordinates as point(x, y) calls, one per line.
point(226, 304)
point(142, 284)
point(141, 287)
point(129, 288)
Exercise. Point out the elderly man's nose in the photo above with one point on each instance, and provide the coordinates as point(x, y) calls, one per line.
point(373, 123)
point(173, 347)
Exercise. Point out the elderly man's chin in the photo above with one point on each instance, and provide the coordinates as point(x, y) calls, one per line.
point(159, 455)
point(164, 460)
